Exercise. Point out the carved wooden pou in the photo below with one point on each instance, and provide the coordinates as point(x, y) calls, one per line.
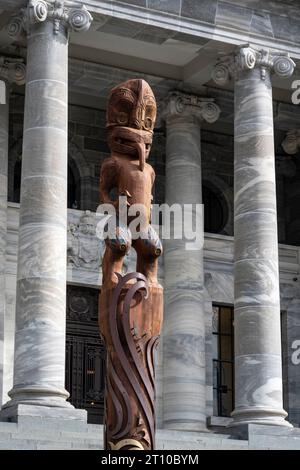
point(131, 306)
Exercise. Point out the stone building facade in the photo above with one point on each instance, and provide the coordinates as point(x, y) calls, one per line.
point(224, 73)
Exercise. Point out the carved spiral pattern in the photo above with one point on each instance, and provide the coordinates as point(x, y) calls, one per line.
point(14, 27)
point(18, 73)
point(80, 20)
point(290, 143)
point(127, 444)
point(246, 58)
point(220, 74)
point(179, 105)
point(210, 112)
point(38, 11)
point(283, 66)
point(135, 366)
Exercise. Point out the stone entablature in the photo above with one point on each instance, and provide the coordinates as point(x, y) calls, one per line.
point(219, 19)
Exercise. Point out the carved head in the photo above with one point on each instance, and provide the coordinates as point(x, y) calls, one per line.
point(131, 115)
point(87, 223)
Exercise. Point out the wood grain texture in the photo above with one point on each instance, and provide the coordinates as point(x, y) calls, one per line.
point(131, 306)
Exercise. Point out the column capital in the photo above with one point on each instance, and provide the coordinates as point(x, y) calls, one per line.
point(291, 142)
point(12, 70)
point(247, 58)
point(74, 16)
point(179, 104)
point(15, 26)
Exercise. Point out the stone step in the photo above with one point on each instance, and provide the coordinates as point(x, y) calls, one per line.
point(52, 426)
point(192, 435)
point(32, 444)
point(12, 437)
point(197, 441)
point(45, 433)
point(61, 437)
point(93, 432)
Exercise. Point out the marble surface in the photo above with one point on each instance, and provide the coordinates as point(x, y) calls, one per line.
point(184, 330)
point(258, 367)
point(4, 113)
point(184, 374)
point(39, 349)
point(39, 360)
point(48, 434)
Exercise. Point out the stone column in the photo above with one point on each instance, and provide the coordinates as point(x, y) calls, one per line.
point(11, 70)
point(184, 397)
point(258, 374)
point(39, 364)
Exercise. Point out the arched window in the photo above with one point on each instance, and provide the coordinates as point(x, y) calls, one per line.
point(215, 209)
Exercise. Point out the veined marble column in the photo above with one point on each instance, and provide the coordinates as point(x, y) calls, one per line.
point(11, 70)
point(258, 368)
point(39, 363)
point(184, 385)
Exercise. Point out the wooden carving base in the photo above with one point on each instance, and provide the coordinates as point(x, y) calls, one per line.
point(131, 314)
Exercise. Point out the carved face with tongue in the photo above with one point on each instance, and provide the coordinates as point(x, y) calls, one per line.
point(131, 115)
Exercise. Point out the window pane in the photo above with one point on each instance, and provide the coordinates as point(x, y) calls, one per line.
point(226, 375)
point(215, 398)
point(226, 321)
point(226, 403)
point(216, 374)
point(215, 346)
point(226, 348)
point(223, 361)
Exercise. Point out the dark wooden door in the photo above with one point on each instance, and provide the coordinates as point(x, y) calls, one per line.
point(85, 353)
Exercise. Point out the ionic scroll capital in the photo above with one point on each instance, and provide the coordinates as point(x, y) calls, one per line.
point(178, 104)
point(12, 70)
point(247, 58)
point(74, 16)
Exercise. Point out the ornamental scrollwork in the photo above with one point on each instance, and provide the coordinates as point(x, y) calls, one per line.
point(246, 58)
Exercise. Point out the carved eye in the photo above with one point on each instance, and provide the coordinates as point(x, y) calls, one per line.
point(149, 117)
point(148, 123)
point(122, 118)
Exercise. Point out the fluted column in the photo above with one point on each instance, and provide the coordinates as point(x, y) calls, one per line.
point(11, 70)
point(39, 363)
point(258, 374)
point(184, 325)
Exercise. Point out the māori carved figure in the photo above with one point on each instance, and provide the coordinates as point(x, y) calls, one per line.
point(131, 306)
